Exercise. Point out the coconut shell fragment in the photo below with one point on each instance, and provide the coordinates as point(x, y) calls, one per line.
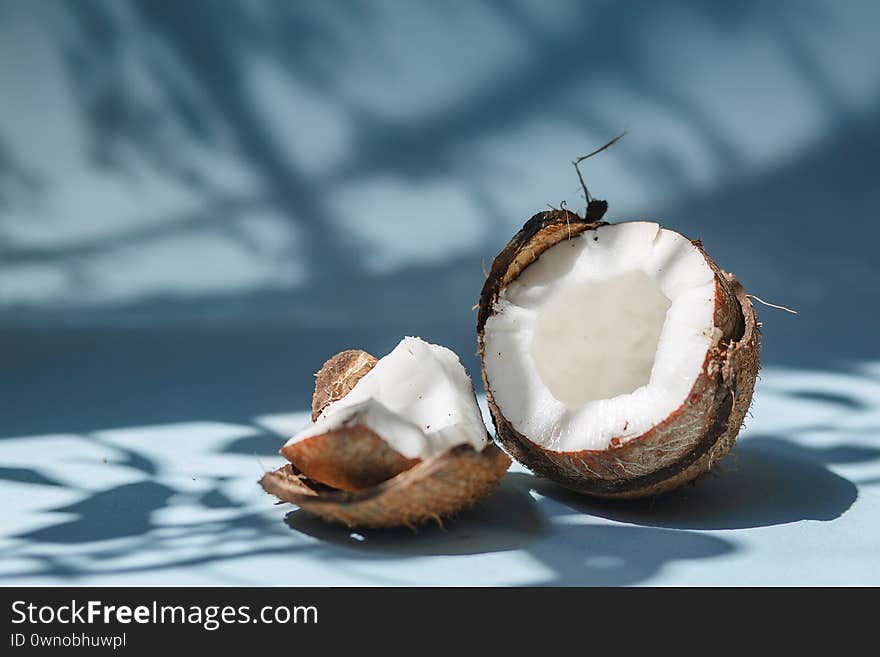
point(338, 376)
point(349, 459)
point(353, 476)
point(430, 491)
point(675, 451)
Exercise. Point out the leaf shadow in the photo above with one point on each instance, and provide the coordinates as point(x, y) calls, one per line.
point(564, 550)
point(27, 476)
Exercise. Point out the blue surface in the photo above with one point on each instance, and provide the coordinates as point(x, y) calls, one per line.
point(199, 206)
point(798, 503)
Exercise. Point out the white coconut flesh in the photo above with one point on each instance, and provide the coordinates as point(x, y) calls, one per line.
point(602, 337)
point(418, 398)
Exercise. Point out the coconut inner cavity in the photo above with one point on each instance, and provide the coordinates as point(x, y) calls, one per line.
point(418, 398)
point(610, 330)
point(602, 337)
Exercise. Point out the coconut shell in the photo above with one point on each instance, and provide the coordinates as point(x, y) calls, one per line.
point(350, 458)
point(353, 476)
point(432, 490)
point(691, 439)
point(338, 376)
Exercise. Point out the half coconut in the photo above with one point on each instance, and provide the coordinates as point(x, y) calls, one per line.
point(618, 359)
point(395, 441)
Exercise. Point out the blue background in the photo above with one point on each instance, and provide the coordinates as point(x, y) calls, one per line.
point(201, 201)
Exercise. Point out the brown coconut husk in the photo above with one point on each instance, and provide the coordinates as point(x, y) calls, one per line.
point(350, 458)
point(353, 476)
point(681, 448)
point(432, 490)
point(338, 376)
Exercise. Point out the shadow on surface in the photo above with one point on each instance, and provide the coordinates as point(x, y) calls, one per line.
point(569, 551)
point(263, 444)
point(767, 481)
point(619, 555)
point(506, 520)
point(123, 519)
point(114, 513)
point(27, 476)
